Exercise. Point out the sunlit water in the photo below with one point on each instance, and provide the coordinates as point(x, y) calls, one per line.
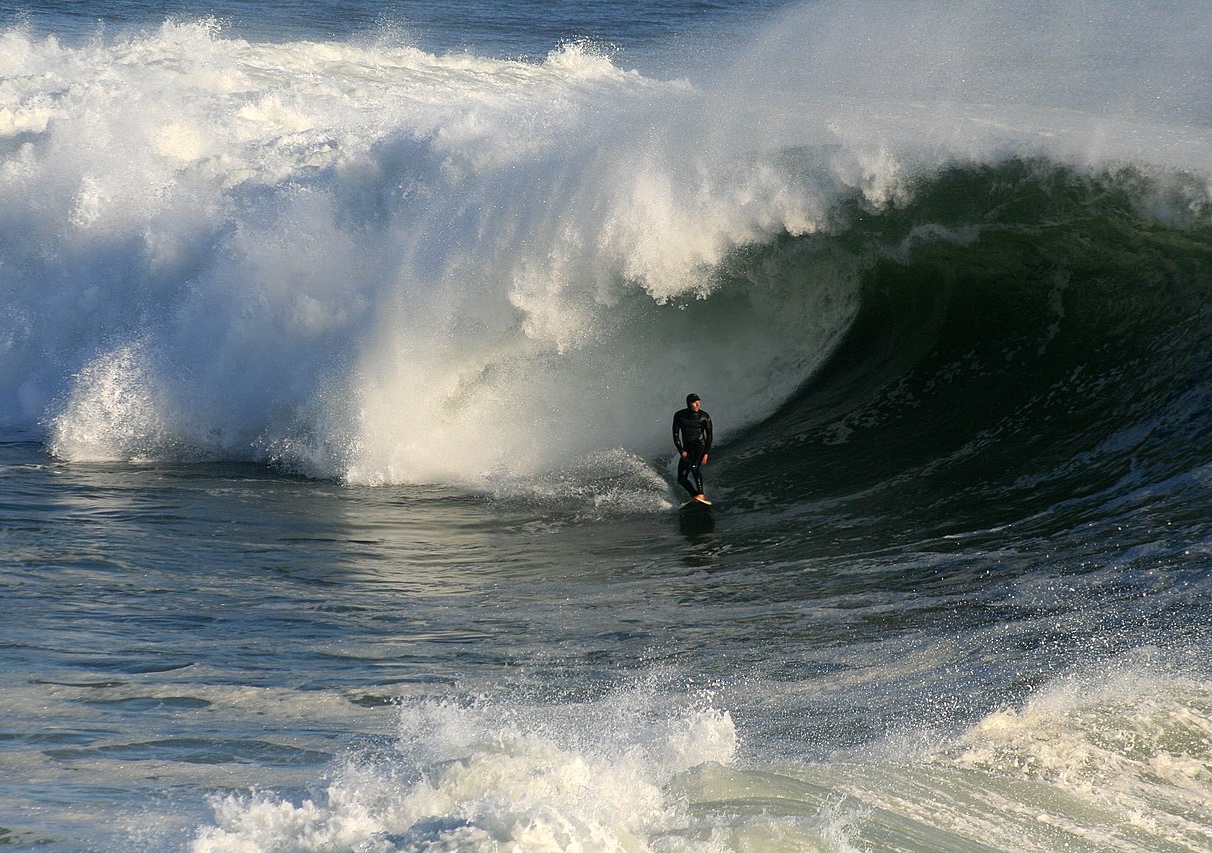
point(337, 357)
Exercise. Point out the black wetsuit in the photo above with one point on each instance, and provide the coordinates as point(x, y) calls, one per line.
point(692, 436)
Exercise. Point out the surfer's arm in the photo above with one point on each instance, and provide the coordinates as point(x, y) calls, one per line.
point(677, 435)
point(706, 435)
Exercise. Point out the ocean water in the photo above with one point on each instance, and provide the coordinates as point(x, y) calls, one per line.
point(339, 345)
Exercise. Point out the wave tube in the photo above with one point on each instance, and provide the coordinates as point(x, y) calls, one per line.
point(373, 264)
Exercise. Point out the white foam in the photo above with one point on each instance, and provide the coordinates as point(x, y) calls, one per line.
point(488, 777)
point(1112, 756)
point(1127, 741)
point(365, 262)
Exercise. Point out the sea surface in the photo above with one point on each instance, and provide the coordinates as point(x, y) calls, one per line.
point(339, 346)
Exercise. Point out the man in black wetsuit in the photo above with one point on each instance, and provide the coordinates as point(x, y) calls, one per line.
point(692, 438)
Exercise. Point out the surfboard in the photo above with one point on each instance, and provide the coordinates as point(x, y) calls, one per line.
point(694, 503)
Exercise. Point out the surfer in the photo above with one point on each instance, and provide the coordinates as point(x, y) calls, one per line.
point(692, 438)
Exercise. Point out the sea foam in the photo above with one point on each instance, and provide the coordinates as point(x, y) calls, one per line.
point(490, 777)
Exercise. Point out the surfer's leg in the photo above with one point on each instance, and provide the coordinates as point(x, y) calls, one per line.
point(697, 474)
point(684, 469)
point(689, 474)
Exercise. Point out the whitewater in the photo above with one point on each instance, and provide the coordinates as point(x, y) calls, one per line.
point(338, 349)
point(351, 259)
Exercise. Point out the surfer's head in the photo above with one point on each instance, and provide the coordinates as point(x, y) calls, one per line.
point(691, 399)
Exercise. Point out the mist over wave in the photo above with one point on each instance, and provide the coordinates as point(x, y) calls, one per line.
point(366, 262)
